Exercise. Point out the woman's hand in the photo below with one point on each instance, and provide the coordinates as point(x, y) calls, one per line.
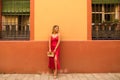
point(54, 51)
point(49, 50)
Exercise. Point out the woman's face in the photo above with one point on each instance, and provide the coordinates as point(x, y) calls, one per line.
point(56, 29)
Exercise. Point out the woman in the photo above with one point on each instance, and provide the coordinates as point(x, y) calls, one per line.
point(54, 47)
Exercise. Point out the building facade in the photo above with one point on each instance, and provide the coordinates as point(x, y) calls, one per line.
point(79, 51)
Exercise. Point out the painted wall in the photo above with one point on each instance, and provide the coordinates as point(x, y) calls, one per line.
point(70, 15)
point(75, 56)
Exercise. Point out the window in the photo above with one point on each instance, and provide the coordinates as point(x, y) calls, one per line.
point(15, 20)
point(105, 19)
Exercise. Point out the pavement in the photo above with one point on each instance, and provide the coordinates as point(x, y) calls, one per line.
point(67, 76)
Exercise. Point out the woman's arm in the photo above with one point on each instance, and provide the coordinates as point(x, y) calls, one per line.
point(50, 43)
point(57, 42)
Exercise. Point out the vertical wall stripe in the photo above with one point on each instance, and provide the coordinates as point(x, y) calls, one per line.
point(31, 19)
point(89, 19)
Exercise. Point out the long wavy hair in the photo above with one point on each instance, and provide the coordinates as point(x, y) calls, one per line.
point(53, 30)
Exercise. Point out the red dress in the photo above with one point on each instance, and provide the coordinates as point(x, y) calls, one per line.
point(51, 64)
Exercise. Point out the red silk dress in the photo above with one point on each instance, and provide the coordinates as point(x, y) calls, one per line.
point(51, 64)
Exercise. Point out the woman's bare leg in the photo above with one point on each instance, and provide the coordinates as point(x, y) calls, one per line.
point(51, 71)
point(55, 72)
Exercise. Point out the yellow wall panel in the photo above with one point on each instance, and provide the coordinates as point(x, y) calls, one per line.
point(70, 15)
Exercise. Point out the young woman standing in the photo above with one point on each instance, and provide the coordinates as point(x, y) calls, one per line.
point(54, 46)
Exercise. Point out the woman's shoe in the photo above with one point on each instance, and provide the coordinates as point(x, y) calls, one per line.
point(55, 76)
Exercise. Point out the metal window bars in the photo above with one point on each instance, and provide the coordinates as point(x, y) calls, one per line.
point(105, 20)
point(15, 20)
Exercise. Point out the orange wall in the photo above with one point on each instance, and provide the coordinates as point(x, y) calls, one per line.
point(32, 20)
point(89, 20)
point(75, 56)
point(70, 15)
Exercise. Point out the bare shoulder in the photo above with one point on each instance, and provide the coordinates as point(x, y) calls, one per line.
point(58, 34)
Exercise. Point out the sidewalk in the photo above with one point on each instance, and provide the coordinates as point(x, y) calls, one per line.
point(72, 76)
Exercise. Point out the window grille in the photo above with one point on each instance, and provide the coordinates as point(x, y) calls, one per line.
point(106, 19)
point(15, 20)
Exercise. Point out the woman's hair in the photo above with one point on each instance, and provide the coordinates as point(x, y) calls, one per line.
point(54, 28)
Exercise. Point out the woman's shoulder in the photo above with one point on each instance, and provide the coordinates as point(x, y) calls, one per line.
point(55, 35)
point(58, 34)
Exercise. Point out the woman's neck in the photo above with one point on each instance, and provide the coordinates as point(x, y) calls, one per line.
point(55, 33)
